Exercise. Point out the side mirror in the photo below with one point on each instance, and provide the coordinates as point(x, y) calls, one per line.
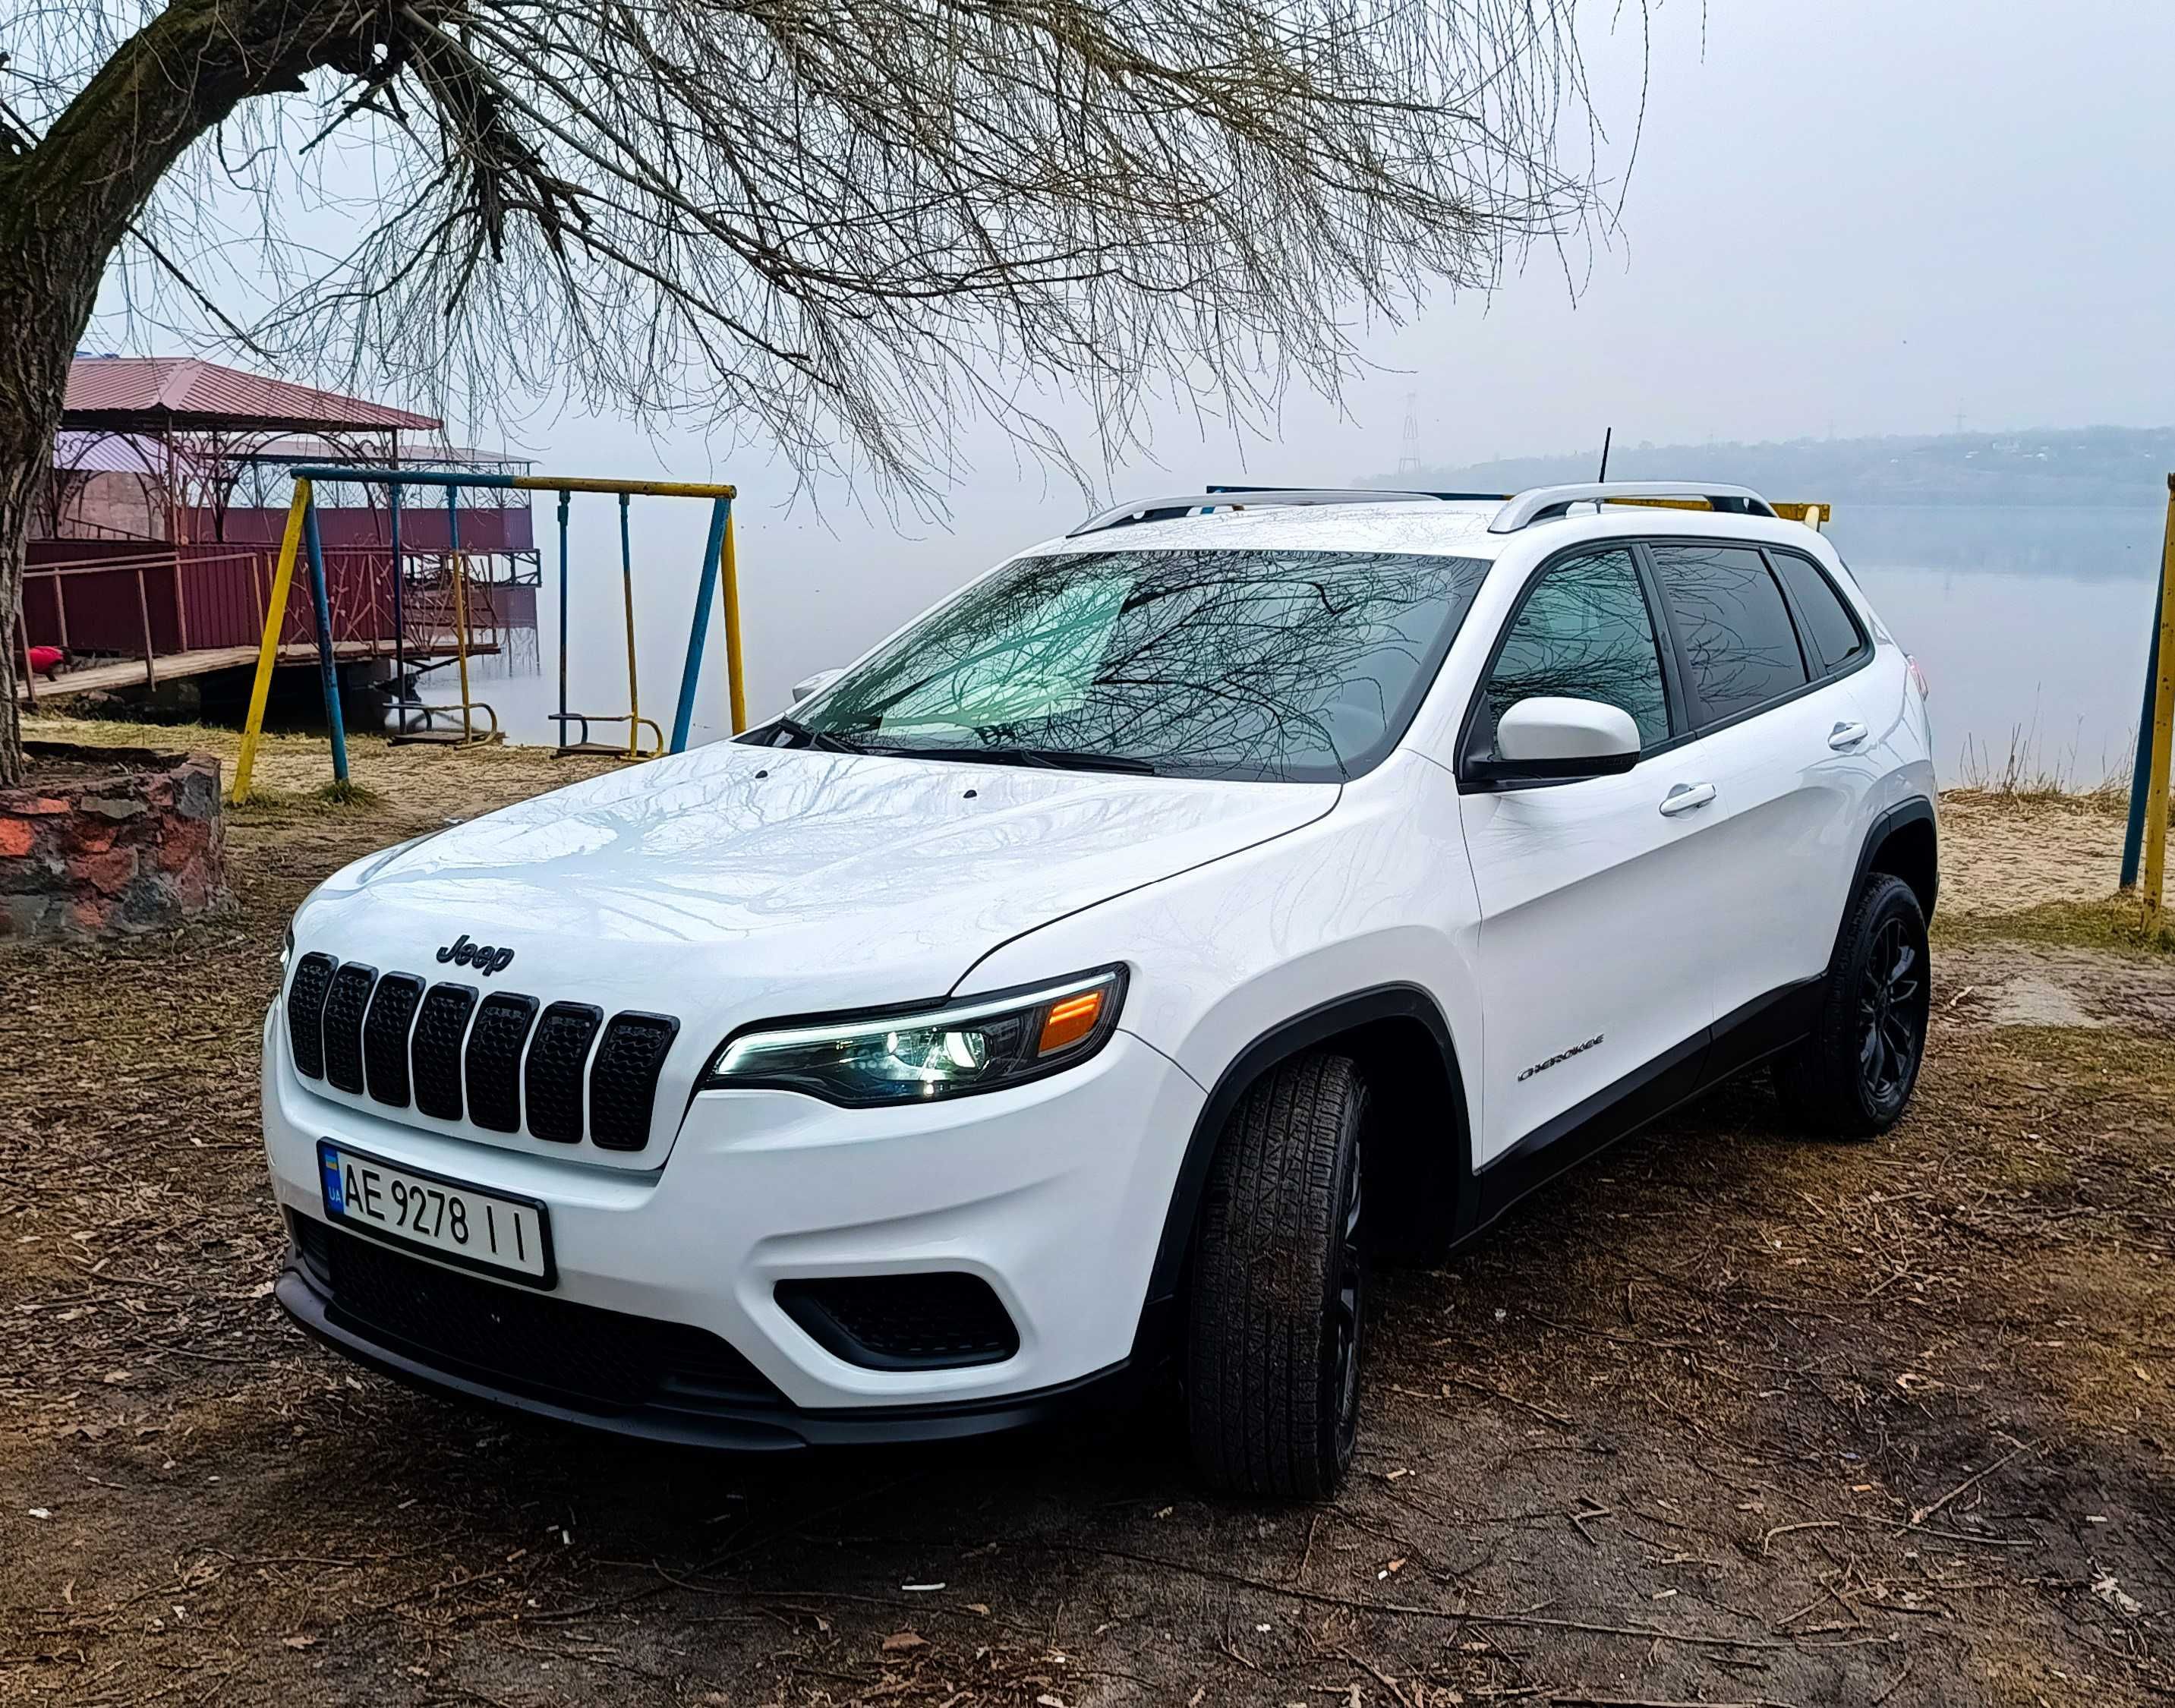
point(814, 685)
point(1549, 739)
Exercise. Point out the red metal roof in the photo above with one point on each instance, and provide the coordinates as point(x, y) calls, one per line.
point(165, 392)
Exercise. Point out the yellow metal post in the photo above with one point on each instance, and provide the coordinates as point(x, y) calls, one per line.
point(268, 649)
point(461, 641)
point(735, 690)
point(2163, 735)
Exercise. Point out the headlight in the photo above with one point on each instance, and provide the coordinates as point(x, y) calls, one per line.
point(914, 1057)
point(287, 950)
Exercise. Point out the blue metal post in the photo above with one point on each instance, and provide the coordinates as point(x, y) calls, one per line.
point(705, 591)
point(326, 669)
point(399, 622)
point(2141, 778)
point(566, 498)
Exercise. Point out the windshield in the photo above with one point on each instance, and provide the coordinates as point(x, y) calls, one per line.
point(1296, 666)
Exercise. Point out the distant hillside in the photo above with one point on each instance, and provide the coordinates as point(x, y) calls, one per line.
point(2098, 466)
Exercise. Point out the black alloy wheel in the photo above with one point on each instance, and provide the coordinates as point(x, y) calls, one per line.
point(1854, 1075)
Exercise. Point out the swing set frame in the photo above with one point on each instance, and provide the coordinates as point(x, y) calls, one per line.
point(719, 574)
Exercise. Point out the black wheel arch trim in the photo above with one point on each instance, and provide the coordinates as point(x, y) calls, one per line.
point(1288, 1038)
point(1916, 810)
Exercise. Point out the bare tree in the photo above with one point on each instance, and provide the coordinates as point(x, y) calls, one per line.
point(842, 225)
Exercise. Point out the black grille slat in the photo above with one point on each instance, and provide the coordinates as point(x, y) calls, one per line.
point(441, 1025)
point(580, 1354)
point(385, 1037)
point(623, 1079)
point(306, 1013)
point(346, 1002)
point(552, 1080)
point(493, 1059)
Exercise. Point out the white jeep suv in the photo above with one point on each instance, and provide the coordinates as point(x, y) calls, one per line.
point(1103, 970)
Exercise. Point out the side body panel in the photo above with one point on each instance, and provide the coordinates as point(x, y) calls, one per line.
point(1770, 867)
point(1591, 957)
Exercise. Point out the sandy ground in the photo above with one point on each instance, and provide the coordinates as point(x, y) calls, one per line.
point(1732, 1415)
point(2000, 854)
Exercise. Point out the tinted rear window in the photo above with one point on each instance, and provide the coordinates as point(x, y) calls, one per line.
point(1834, 638)
point(1737, 631)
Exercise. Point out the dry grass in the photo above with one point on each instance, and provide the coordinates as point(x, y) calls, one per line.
point(2028, 771)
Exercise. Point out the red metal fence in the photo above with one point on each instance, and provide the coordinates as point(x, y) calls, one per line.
point(146, 599)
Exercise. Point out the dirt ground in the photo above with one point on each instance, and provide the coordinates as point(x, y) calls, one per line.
point(1729, 1415)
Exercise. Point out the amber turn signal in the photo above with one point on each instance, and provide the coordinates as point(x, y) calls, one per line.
point(1070, 1020)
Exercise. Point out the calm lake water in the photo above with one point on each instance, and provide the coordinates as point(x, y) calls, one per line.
point(2031, 623)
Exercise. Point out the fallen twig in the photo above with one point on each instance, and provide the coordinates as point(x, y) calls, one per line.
point(1919, 1515)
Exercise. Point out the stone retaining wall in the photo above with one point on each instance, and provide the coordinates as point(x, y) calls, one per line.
point(137, 845)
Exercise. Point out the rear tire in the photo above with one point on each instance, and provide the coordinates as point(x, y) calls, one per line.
point(1854, 1075)
point(1279, 1287)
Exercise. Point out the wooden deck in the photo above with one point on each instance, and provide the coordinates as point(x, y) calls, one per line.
point(167, 667)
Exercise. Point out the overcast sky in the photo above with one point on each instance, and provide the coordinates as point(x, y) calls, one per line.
point(1865, 217)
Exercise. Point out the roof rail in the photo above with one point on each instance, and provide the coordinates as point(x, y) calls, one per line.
point(1248, 497)
point(1546, 503)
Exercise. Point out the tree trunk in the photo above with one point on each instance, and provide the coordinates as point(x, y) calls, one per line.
point(67, 202)
point(41, 316)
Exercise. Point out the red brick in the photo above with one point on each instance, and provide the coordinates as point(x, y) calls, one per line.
point(107, 873)
point(183, 843)
point(88, 835)
point(16, 836)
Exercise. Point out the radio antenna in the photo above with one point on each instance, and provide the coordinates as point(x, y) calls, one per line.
point(1605, 438)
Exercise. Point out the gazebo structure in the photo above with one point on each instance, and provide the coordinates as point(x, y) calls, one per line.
point(157, 530)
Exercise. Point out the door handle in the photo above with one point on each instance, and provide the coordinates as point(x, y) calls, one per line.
point(1845, 736)
point(1686, 797)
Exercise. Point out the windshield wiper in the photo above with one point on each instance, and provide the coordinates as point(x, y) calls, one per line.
point(1054, 758)
point(803, 736)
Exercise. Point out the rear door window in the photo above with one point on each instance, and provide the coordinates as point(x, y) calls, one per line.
point(1833, 636)
point(1740, 644)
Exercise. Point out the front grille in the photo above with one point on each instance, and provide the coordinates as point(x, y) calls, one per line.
point(623, 1083)
point(460, 1057)
point(902, 1322)
point(306, 1013)
point(494, 1061)
point(346, 1003)
point(578, 1355)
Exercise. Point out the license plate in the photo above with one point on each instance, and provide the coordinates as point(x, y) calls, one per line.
point(449, 1219)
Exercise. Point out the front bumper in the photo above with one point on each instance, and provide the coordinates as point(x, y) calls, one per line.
point(1054, 1194)
point(742, 1428)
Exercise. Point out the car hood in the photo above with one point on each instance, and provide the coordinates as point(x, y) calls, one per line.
point(738, 883)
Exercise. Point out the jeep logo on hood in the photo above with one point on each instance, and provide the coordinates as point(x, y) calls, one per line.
point(482, 956)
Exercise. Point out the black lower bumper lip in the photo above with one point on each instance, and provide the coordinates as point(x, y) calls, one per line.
point(769, 1429)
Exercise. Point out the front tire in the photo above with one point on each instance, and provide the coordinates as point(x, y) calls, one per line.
point(1279, 1287)
point(1854, 1075)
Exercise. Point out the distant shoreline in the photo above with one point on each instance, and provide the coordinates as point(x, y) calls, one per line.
point(2070, 469)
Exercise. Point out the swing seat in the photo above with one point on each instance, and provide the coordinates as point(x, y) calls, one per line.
point(631, 750)
point(405, 735)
